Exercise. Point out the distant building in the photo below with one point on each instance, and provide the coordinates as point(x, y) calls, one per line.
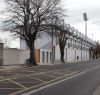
point(75, 50)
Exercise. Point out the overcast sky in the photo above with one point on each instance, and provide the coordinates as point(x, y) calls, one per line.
point(75, 10)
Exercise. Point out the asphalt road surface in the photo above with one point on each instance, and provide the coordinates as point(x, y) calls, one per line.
point(83, 83)
point(80, 78)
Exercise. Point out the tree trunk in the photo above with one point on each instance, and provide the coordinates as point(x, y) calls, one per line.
point(62, 54)
point(32, 55)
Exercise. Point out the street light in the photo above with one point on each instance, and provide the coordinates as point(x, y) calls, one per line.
point(85, 19)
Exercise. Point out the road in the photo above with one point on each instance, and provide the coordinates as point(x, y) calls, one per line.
point(83, 83)
point(80, 78)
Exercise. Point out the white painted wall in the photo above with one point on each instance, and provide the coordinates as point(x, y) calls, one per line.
point(57, 53)
point(46, 38)
point(78, 53)
point(39, 42)
point(70, 54)
point(15, 56)
point(42, 40)
point(23, 45)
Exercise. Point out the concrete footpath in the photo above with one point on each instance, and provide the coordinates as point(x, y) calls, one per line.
point(97, 91)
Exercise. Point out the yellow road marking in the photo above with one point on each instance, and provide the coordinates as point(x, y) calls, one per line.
point(29, 70)
point(44, 82)
point(17, 83)
point(58, 78)
point(52, 75)
point(15, 77)
point(10, 88)
point(35, 78)
point(18, 92)
point(1, 77)
point(26, 89)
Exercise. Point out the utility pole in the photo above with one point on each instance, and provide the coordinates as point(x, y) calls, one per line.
point(53, 49)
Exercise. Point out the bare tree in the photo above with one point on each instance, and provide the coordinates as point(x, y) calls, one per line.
point(63, 36)
point(97, 50)
point(26, 18)
point(62, 33)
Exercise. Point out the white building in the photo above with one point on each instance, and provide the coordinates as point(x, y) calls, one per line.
point(76, 49)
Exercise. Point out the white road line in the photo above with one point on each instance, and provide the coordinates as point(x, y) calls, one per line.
point(93, 68)
point(78, 74)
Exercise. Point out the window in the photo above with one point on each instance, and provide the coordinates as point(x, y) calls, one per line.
point(50, 56)
point(54, 53)
point(47, 56)
point(43, 56)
